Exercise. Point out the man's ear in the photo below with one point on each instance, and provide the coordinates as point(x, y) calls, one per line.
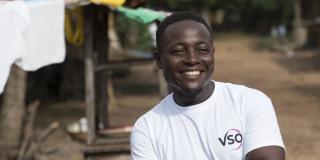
point(156, 57)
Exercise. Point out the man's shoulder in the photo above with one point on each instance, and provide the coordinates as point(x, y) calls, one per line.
point(238, 88)
point(159, 110)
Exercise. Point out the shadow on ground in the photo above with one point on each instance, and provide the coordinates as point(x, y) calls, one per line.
point(302, 61)
point(308, 90)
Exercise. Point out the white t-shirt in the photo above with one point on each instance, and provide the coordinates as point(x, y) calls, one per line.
point(232, 122)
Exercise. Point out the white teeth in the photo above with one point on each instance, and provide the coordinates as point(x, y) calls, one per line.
point(192, 73)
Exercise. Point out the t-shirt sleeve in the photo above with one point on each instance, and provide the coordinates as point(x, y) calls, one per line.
point(140, 142)
point(261, 126)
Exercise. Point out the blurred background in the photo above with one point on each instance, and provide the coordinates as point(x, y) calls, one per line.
point(84, 106)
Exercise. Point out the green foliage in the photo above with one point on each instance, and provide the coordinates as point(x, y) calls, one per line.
point(267, 5)
point(250, 15)
point(184, 4)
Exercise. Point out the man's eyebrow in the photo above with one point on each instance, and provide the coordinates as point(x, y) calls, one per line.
point(172, 44)
point(203, 42)
point(177, 44)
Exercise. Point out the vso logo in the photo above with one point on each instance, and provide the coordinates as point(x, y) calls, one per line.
point(232, 139)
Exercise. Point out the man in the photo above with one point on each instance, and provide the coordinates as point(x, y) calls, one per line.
point(202, 119)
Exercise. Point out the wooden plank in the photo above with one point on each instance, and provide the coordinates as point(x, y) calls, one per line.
point(105, 149)
point(110, 140)
point(123, 63)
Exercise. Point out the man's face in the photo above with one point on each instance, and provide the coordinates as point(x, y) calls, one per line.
point(185, 54)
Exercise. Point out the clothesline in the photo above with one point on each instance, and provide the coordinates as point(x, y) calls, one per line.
point(140, 14)
point(113, 3)
point(74, 35)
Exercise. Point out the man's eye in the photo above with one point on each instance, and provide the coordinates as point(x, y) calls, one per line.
point(177, 51)
point(204, 50)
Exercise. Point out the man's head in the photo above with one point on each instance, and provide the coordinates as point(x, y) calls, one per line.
point(176, 17)
point(185, 53)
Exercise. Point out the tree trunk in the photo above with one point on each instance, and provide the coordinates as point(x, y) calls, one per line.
point(12, 112)
point(299, 31)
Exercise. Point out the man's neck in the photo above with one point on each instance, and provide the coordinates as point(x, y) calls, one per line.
point(202, 95)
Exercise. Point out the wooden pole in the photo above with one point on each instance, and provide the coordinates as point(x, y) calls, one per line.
point(12, 111)
point(101, 78)
point(89, 76)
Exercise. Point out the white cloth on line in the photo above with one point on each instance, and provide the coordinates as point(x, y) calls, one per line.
point(14, 19)
point(32, 37)
point(44, 37)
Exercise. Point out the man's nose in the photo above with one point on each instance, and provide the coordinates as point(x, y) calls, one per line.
point(191, 57)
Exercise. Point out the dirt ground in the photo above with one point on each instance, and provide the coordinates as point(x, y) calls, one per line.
point(292, 83)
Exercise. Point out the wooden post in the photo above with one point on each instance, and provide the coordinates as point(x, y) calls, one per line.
point(89, 76)
point(12, 111)
point(101, 44)
point(96, 52)
point(163, 86)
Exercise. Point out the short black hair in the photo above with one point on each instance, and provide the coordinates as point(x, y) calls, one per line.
point(176, 17)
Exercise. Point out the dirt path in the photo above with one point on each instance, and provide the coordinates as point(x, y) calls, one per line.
point(292, 83)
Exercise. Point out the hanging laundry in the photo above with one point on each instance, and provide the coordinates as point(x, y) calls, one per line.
point(44, 36)
point(113, 3)
point(143, 15)
point(31, 35)
point(14, 18)
point(74, 37)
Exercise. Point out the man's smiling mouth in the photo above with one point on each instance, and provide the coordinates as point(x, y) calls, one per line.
point(191, 73)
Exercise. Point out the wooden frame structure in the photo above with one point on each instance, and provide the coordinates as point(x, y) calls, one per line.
point(96, 78)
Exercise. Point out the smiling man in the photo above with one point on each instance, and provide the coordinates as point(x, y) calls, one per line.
point(202, 119)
